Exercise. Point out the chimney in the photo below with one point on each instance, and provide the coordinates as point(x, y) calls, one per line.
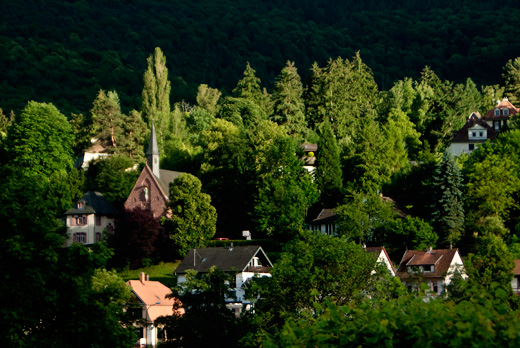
point(142, 277)
point(429, 250)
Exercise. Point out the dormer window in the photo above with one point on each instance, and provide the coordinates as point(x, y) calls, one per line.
point(81, 205)
point(429, 268)
point(497, 112)
point(505, 111)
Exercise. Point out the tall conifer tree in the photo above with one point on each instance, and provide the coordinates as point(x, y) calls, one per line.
point(328, 168)
point(448, 210)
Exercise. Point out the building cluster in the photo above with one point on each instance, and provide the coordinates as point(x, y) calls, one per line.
point(93, 215)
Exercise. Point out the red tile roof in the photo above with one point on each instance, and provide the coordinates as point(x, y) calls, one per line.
point(517, 267)
point(504, 104)
point(153, 295)
point(441, 258)
point(473, 120)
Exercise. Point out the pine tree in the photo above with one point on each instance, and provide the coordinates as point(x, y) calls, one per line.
point(135, 130)
point(447, 208)
point(249, 88)
point(288, 103)
point(328, 168)
point(511, 80)
point(107, 120)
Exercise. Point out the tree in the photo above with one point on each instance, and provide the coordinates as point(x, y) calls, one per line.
point(312, 268)
point(39, 141)
point(135, 130)
point(138, 237)
point(328, 168)
point(156, 94)
point(107, 119)
point(5, 122)
point(207, 98)
point(200, 317)
point(249, 88)
point(448, 209)
point(285, 192)
point(193, 219)
point(111, 176)
point(82, 129)
point(511, 80)
point(243, 113)
point(362, 216)
point(288, 106)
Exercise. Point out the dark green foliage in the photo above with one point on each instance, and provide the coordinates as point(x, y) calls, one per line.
point(138, 236)
point(511, 80)
point(448, 205)
point(406, 322)
point(193, 219)
point(206, 321)
point(312, 268)
point(248, 88)
point(328, 169)
point(285, 192)
point(113, 177)
point(288, 106)
point(242, 112)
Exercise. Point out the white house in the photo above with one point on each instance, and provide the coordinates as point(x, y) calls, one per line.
point(435, 268)
point(89, 218)
point(245, 262)
point(498, 117)
point(475, 132)
point(382, 258)
point(152, 297)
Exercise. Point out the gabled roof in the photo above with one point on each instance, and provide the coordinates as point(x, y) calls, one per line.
point(380, 251)
point(504, 104)
point(153, 294)
point(95, 203)
point(324, 216)
point(473, 120)
point(167, 177)
point(441, 258)
point(224, 258)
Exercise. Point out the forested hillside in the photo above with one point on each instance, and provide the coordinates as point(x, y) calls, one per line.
point(64, 52)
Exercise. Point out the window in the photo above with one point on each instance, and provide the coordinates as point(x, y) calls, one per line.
point(98, 237)
point(480, 134)
point(497, 125)
point(497, 112)
point(474, 134)
point(429, 268)
point(505, 111)
point(471, 147)
point(80, 237)
point(79, 220)
point(98, 220)
point(435, 287)
point(81, 205)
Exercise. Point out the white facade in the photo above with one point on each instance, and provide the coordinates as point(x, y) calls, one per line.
point(93, 228)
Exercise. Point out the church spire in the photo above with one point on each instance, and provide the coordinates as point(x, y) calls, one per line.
point(152, 155)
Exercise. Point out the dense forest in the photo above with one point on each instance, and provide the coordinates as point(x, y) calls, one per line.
point(66, 51)
point(380, 88)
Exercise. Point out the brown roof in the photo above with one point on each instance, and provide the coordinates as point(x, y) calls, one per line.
point(517, 267)
point(441, 258)
point(153, 295)
point(504, 104)
point(224, 258)
point(473, 120)
point(309, 147)
point(324, 216)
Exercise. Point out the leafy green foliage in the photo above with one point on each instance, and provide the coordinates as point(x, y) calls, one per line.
point(193, 219)
point(511, 80)
point(201, 318)
point(328, 168)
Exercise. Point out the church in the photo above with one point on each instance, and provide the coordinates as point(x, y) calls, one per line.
point(151, 190)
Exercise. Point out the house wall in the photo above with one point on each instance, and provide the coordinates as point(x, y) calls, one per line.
point(458, 149)
point(456, 266)
point(91, 228)
point(240, 279)
point(383, 259)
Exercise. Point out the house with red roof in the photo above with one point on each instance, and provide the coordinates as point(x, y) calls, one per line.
point(475, 132)
point(498, 117)
point(152, 295)
point(433, 267)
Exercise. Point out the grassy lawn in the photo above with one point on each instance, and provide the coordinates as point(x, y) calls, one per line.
point(162, 272)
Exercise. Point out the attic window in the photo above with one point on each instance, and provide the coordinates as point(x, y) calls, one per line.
point(81, 205)
point(497, 112)
point(505, 111)
point(429, 268)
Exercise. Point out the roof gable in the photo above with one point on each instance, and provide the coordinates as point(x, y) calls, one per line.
point(477, 123)
point(441, 258)
point(153, 295)
point(224, 258)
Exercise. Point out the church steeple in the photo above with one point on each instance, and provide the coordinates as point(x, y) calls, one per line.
point(152, 155)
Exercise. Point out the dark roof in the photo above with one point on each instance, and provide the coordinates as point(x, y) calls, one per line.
point(324, 216)
point(473, 120)
point(224, 258)
point(441, 258)
point(167, 177)
point(504, 104)
point(95, 203)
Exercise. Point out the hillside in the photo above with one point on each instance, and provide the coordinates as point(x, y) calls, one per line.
point(65, 51)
